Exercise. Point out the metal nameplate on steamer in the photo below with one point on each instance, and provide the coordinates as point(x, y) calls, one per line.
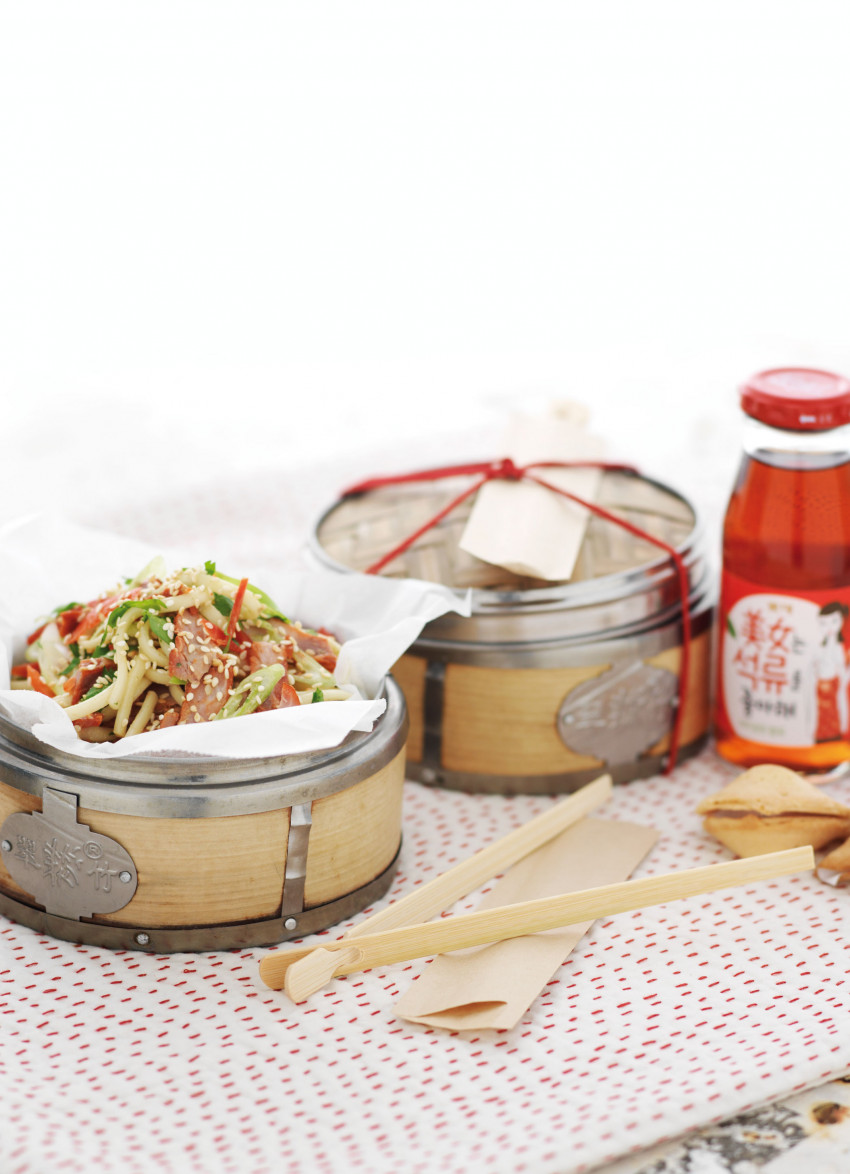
point(69, 869)
point(620, 714)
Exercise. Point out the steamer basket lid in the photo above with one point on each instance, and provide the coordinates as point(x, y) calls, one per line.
point(621, 584)
point(357, 531)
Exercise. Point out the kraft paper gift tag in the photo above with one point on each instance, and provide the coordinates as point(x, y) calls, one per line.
point(493, 986)
point(522, 526)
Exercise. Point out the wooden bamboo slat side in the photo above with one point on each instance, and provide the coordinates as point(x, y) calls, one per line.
point(191, 871)
point(11, 801)
point(199, 871)
point(504, 721)
point(409, 673)
point(355, 834)
point(209, 871)
point(697, 709)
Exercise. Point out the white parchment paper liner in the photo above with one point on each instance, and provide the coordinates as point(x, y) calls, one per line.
point(47, 561)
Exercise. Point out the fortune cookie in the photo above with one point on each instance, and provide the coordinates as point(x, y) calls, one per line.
point(834, 869)
point(769, 808)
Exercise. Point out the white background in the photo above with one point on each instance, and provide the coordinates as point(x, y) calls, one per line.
point(249, 236)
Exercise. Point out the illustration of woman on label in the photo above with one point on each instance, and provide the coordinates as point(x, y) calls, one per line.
point(832, 673)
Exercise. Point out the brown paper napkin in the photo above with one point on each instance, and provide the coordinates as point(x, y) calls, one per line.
point(493, 986)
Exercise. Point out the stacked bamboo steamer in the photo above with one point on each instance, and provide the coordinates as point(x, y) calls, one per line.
point(544, 684)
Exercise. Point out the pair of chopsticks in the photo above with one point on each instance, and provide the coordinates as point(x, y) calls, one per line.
point(402, 931)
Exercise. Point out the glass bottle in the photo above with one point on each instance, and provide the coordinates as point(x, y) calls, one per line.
point(783, 690)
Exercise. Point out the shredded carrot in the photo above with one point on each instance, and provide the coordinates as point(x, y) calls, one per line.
point(38, 682)
point(33, 636)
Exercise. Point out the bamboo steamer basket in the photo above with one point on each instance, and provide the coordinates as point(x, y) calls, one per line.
point(173, 854)
point(545, 684)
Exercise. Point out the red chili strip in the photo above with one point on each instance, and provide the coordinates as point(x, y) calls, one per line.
point(234, 615)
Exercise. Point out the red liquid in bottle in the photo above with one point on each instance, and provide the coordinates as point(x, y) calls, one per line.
point(787, 530)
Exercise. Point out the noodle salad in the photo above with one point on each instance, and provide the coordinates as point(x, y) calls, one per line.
point(166, 649)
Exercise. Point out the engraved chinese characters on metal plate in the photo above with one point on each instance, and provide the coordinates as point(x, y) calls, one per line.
point(620, 714)
point(69, 869)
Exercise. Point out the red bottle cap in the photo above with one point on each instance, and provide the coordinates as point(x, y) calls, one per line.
point(799, 399)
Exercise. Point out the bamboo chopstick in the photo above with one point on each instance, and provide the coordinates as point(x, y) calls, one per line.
point(441, 892)
point(528, 917)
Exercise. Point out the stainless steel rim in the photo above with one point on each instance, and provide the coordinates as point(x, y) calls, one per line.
point(556, 784)
point(575, 653)
point(180, 788)
point(172, 940)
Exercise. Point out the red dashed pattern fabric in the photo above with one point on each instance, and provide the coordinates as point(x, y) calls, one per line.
point(662, 1020)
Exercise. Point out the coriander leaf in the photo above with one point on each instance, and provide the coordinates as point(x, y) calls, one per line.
point(223, 602)
point(127, 604)
point(209, 567)
point(157, 626)
point(74, 662)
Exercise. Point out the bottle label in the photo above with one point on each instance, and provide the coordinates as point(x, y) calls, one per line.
point(784, 663)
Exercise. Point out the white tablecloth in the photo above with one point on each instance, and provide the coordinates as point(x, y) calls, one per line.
point(662, 1021)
